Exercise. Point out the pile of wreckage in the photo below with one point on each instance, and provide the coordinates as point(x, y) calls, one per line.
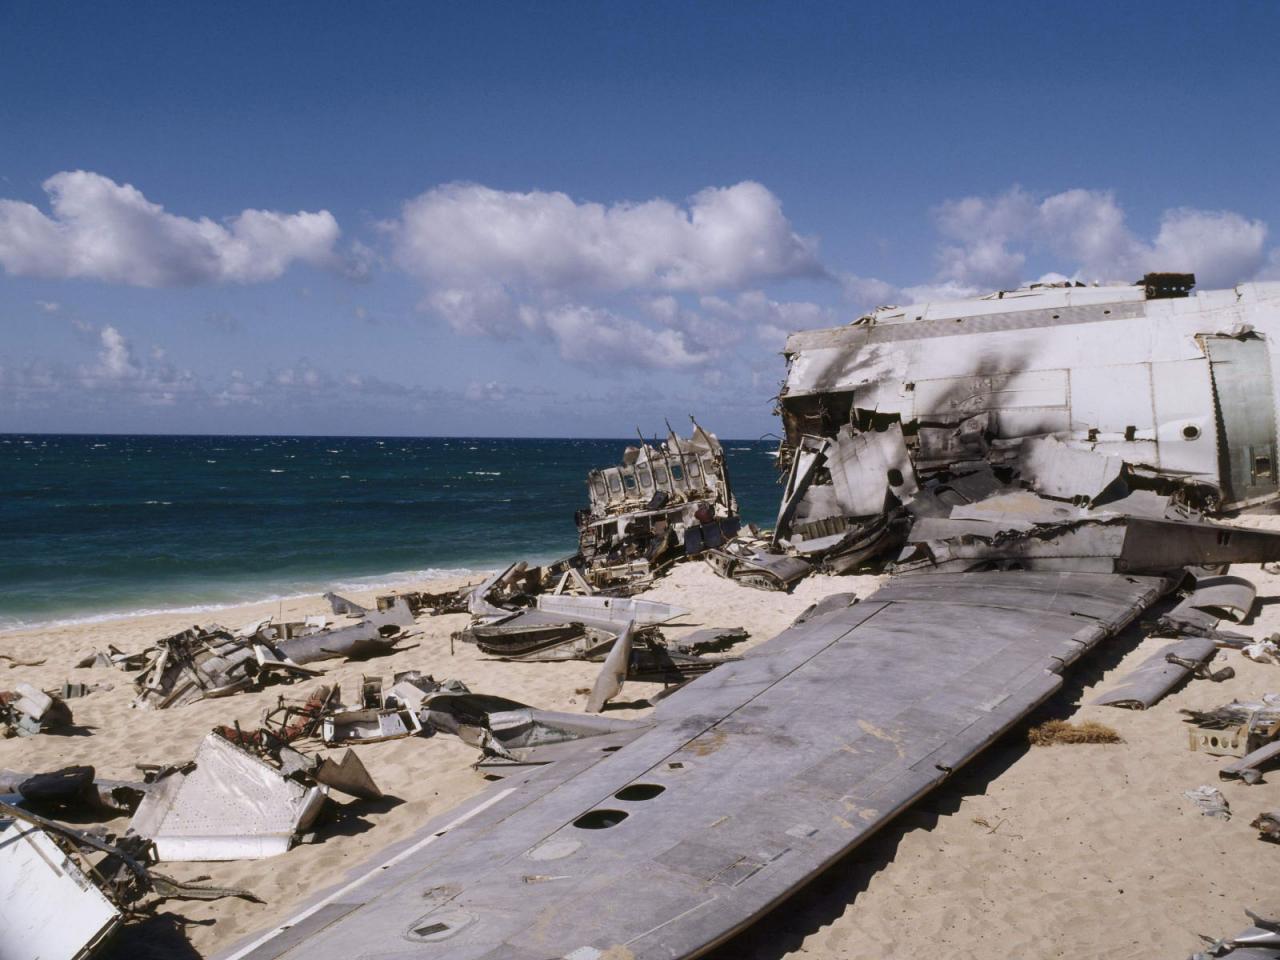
point(249, 794)
point(623, 633)
point(665, 501)
point(244, 795)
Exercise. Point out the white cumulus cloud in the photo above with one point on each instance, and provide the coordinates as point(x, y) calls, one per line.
point(506, 264)
point(465, 235)
point(987, 242)
point(103, 230)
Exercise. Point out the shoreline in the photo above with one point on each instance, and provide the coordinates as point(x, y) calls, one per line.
point(396, 580)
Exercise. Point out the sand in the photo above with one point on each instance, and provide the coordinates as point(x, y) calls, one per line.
point(1085, 850)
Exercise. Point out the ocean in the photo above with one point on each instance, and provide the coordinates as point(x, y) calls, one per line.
point(104, 526)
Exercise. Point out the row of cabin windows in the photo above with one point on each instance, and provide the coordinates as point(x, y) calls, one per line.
point(639, 478)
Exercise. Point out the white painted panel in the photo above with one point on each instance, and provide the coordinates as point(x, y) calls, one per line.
point(1111, 399)
point(49, 910)
point(1185, 407)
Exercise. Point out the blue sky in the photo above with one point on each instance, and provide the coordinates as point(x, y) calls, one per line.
point(573, 219)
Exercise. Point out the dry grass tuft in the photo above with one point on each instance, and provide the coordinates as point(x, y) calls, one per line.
point(1060, 731)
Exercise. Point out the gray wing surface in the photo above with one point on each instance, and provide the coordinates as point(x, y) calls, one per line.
point(770, 768)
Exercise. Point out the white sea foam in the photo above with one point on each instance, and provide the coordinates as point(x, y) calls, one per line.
point(381, 581)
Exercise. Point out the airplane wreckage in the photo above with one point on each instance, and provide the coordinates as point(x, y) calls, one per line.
point(1036, 470)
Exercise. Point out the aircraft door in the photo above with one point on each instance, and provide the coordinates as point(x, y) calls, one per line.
point(1241, 369)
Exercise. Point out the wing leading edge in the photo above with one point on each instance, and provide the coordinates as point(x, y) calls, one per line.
point(752, 779)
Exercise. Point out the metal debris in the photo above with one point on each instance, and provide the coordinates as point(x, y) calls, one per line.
point(229, 805)
point(434, 604)
point(1249, 767)
point(614, 672)
point(616, 610)
point(347, 775)
point(1210, 801)
point(50, 906)
point(1236, 728)
point(512, 735)
point(369, 725)
point(26, 711)
point(1160, 673)
point(752, 566)
point(74, 788)
point(63, 892)
point(343, 607)
point(1261, 941)
point(112, 657)
point(1212, 600)
point(1268, 826)
point(665, 501)
point(207, 662)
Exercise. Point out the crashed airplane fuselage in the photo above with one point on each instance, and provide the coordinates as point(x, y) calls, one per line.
point(1086, 394)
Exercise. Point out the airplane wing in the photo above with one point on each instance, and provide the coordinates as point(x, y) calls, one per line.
point(665, 841)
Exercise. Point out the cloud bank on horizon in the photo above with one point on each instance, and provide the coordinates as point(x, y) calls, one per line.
point(650, 285)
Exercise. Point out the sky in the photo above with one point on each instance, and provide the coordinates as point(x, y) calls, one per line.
point(563, 219)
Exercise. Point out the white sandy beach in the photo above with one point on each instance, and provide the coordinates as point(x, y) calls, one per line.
point(1072, 851)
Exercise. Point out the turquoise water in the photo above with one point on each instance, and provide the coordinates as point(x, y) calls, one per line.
point(110, 525)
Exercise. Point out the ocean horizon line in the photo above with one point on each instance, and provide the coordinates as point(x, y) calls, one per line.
point(353, 436)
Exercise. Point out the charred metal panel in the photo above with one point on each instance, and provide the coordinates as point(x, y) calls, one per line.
point(867, 467)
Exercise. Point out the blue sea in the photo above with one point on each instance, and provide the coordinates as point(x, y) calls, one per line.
point(102, 526)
